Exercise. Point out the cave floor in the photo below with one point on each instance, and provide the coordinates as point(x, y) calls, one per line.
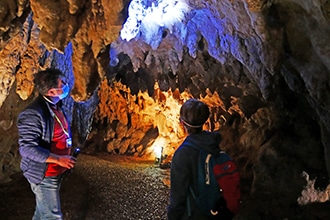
point(111, 187)
point(99, 187)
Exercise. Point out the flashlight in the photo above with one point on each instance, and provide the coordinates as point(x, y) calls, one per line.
point(76, 152)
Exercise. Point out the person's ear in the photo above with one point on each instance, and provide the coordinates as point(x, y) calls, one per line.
point(51, 92)
point(181, 122)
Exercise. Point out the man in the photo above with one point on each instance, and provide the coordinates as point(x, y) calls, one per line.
point(184, 166)
point(45, 143)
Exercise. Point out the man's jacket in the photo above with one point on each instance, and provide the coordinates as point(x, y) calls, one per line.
point(35, 128)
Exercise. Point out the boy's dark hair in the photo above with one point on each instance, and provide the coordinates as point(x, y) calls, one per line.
point(193, 114)
point(47, 79)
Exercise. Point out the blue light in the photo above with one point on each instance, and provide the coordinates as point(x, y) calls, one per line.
point(63, 62)
point(147, 17)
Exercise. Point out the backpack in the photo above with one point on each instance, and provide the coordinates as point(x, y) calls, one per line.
point(218, 184)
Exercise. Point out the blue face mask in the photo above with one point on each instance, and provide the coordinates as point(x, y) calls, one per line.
point(65, 92)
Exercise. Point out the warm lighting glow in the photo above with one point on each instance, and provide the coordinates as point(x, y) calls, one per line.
point(152, 15)
point(154, 116)
point(158, 146)
point(158, 151)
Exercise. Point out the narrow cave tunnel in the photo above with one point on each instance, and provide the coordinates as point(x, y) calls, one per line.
point(262, 67)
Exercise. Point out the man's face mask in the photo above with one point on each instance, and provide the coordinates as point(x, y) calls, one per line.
point(65, 92)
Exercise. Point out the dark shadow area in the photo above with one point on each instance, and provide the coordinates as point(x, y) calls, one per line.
point(17, 200)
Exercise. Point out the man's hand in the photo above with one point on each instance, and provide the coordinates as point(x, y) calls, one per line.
point(66, 161)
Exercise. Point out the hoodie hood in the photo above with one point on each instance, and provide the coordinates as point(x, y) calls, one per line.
point(209, 141)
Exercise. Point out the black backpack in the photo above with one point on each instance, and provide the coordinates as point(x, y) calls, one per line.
point(218, 185)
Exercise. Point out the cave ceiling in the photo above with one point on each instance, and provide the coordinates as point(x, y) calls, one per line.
point(255, 46)
point(92, 27)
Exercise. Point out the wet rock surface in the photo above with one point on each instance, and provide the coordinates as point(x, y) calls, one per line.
point(99, 187)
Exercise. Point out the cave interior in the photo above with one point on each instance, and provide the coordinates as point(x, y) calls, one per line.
point(262, 66)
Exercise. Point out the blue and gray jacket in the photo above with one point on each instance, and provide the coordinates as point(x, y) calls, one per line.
point(35, 128)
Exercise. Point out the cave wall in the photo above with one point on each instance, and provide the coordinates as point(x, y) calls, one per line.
point(262, 66)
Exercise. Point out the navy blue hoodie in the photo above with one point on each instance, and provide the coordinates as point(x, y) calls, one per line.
point(184, 173)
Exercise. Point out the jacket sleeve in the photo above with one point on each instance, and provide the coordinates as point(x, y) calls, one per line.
point(30, 130)
point(181, 176)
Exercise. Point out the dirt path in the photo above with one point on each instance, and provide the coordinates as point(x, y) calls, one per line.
point(102, 187)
